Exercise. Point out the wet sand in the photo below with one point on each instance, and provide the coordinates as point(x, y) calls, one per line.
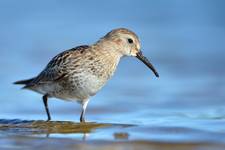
point(23, 143)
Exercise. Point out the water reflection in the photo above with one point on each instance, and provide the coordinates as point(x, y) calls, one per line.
point(53, 128)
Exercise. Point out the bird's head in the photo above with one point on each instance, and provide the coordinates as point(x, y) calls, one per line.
point(126, 43)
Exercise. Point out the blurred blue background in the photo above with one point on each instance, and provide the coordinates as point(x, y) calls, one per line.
point(185, 40)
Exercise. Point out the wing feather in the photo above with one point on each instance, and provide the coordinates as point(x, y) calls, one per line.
point(57, 68)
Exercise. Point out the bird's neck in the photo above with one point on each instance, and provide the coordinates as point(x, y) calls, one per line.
point(109, 46)
point(108, 58)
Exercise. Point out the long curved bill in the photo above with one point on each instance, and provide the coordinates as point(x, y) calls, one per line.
point(142, 58)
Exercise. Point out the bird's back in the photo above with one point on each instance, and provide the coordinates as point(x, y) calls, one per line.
point(77, 73)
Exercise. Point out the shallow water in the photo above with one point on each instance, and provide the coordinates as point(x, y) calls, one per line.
point(183, 109)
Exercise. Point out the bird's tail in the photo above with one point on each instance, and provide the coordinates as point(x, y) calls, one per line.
point(25, 82)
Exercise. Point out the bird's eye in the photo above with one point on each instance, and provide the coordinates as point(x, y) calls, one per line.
point(130, 41)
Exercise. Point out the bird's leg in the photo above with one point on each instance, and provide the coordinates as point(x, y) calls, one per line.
point(84, 106)
point(45, 100)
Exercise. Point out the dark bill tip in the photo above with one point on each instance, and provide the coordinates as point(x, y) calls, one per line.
point(142, 58)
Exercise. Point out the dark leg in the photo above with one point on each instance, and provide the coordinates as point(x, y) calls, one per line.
point(82, 116)
point(84, 106)
point(45, 100)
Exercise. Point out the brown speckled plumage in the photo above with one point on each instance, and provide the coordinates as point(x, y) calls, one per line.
point(80, 72)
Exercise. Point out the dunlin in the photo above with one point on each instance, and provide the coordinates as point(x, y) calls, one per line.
point(79, 73)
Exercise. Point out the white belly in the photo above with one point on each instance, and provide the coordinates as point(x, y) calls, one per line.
point(90, 84)
point(85, 86)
